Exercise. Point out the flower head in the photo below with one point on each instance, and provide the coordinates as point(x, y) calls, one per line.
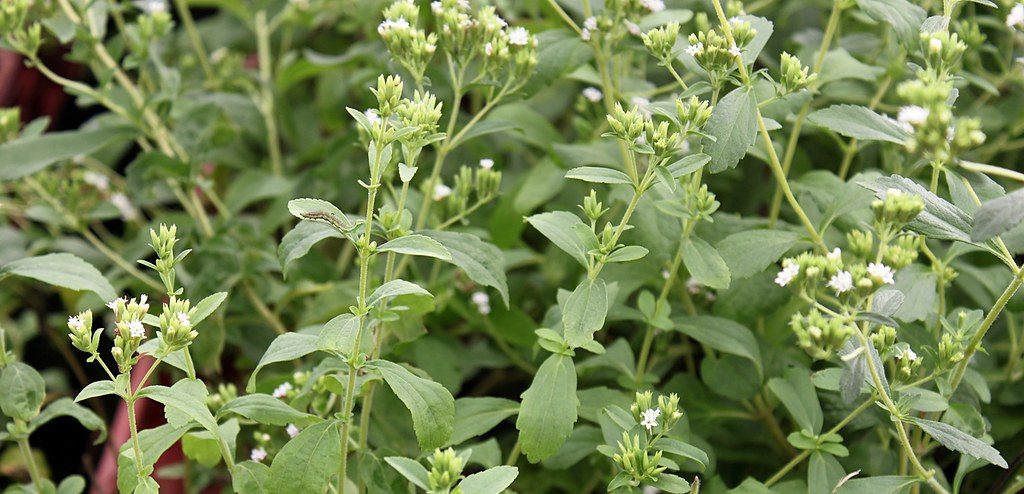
point(482, 302)
point(694, 50)
point(653, 5)
point(650, 418)
point(593, 94)
point(590, 23)
point(282, 390)
point(486, 163)
point(75, 323)
point(883, 273)
point(788, 273)
point(842, 282)
point(912, 115)
point(441, 191)
point(835, 255)
point(735, 51)
point(292, 430)
point(258, 454)
point(518, 36)
point(1016, 16)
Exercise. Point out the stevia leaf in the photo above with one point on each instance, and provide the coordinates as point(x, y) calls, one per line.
point(545, 423)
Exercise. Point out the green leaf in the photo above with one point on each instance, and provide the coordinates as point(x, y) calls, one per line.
point(859, 122)
point(207, 306)
point(288, 346)
point(598, 175)
point(733, 125)
point(674, 484)
point(491, 481)
point(549, 409)
point(957, 440)
point(723, 335)
point(73, 484)
point(308, 462)
point(23, 391)
point(97, 388)
point(475, 416)
point(997, 216)
point(66, 407)
point(750, 252)
point(394, 288)
point(560, 227)
point(23, 157)
point(705, 263)
point(627, 254)
point(796, 392)
point(321, 211)
point(584, 312)
point(677, 447)
point(904, 17)
point(412, 470)
point(186, 397)
point(431, 405)
point(417, 245)
point(63, 270)
point(296, 243)
point(153, 443)
point(482, 262)
point(339, 335)
point(886, 484)
point(250, 477)
point(266, 410)
point(688, 164)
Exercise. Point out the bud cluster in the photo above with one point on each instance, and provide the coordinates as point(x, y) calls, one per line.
point(176, 325)
point(483, 181)
point(22, 35)
point(896, 210)
point(660, 42)
point(143, 33)
point(929, 118)
point(713, 51)
point(818, 334)
point(942, 51)
point(693, 114)
point(163, 243)
point(445, 470)
point(618, 19)
point(794, 75)
point(129, 330)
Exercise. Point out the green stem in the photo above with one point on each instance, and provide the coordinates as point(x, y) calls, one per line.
point(121, 262)
point(193, 35)
point(30, 463)
point(666, 288)
point(794, 136)
point(267, 91)
point(986, 324)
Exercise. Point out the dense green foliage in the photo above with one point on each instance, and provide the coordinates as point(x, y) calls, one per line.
point(539, 246)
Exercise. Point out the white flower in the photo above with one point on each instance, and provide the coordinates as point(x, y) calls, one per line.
point(372, 116)
point(912, 115)
point(441, 191)
point(518, 36)
point(882, 272)
point(98, 180)
point(590, 23)
point(593, 94)
point(735, 51)
point(950, 132)
point(835, 255)
point(436, 7)
point(633, 28)
point(585, 35)
point(482, 302)
point(653, 5)
point(112, 305)
point(693, 286)
point(463, 4)
point(787, 274)
point(258, 455)
point(641, 103)
point(75, 322)
point(486, 163)
point(292, 430)
point(842, 282)
point(389, 25)
point(136, 329)
point(1016, 16)
point(909, 354)
point(183, 318)
point(124, 206)
point(694, 50)
point(152, 6)
point(650, 418)
point(488, 49)
point(282, 390)
point(892, 191)
point(935, 45)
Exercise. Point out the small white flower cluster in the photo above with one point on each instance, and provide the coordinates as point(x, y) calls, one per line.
point(908, 353)
point(519, 36)
point(694, 50)
point(841, 282)
point(1016, 16)
point(653, 5)
point(912, 116)
point(124, 206)
point(482, 302)
point(487, 163)
point(258, 454)
point(98, 180)
point(75, 323)
point(151, 7)
point(589, 26)
point(282, 390)
point(882, 272)
point(441, 191)
point(790, 270)
point(633, 28)
point(292, 430)
point(389, 25)
point(593, 94)
point(650, 418)
point(735, 51)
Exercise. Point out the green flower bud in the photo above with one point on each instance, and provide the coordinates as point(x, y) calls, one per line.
point(860, 243)
point(626, 125)
point(176, 324)
point(896, 209)
point(794, 74)
point(593, 208)
point(389, 94)
point(446, 470)
point(660, 41)
point(693, 114)
point(10, 124)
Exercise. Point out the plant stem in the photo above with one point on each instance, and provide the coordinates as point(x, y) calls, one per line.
point(116, 258)
point(787, 161)
point(261, 307)
point(193, 35)
point(30, 463)
point(986, 324)
point(666, 288)
point(267, 91)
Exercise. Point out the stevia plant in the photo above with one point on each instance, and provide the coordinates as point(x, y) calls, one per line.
point(456, 247)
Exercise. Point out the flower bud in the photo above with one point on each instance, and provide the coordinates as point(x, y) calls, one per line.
point(794, 74)
point(660, 41)
point(446, 470)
